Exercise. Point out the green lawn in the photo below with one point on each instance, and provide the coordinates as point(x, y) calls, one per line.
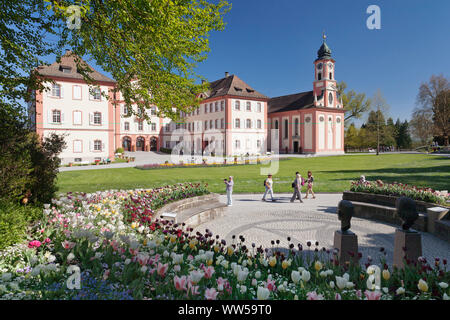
point(332, 174)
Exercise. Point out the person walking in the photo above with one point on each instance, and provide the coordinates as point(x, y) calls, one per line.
point(229, 188)
point(297, 185)
point(310, 182)
point(268, 183)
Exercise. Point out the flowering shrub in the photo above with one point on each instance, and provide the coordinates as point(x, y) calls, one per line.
point(123, 255)
point(400, 189)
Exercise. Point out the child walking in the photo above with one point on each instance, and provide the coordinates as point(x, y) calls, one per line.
point(310, 182)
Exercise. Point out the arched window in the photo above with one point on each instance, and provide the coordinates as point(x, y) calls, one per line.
point(330, 98)
point(237, 105)
point(248, 124)
point(126, 126)
point(296, 126)
point(276, 124)
point(319, 76)
point(286, 128)
point(259, 124)
point(331, 75)
point(238, 124)
point(249, 106)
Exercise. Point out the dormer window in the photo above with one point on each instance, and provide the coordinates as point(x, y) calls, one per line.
point(65, 69)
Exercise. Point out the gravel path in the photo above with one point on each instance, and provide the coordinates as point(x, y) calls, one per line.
point(314, 220)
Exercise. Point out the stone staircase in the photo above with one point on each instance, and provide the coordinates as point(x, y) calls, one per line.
point(193, 211)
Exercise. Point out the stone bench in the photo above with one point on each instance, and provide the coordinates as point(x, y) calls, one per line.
point(192, 211)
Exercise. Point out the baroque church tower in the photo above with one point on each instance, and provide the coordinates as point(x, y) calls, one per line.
point(325, 86)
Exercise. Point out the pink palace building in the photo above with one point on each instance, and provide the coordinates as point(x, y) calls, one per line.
point(232, 117)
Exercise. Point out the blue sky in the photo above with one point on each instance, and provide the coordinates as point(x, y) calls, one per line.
point(271, 44)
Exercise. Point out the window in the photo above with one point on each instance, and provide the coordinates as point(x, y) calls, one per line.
point(217, 106)
point(237, 124)
point(206, 108)
point(286, 128)
point(222, 123)
point(276, 124)
point(66, 70)
point(216, 124)
point(77, 120)
point(97, 118)
point(77, 92)
point(338, 120)
point(167, 127)
point(331, 75)
point(198, 111)
point(167, 144)
point(125, 110)
point(248, 124)
point(177, 126)
point(77, 146)
point(141, 125)
point(237, 144)
point(77, 160)
point(237, 105)
point(222, 105)
point(258, 143)
point(249, 106)
point(56, 90)
point(259, 124)
point(258, 107)
point(96, 94)
point(330, 98)
point(126, 126)
point(296, 126)
point(206, 125)
point(97, 145)
point(153, 111)
point(153, 126)
point(319, 76)
point(56, 116)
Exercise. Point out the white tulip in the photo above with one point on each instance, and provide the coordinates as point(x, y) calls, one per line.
point(295, 276)
point(332, 284)
point(400, 290)
point(341, 282)
point(257, 274)
point(443, 285)
point(263, 293)
point(306, 275)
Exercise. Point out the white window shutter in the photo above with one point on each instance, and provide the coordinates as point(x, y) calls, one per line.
point(61, 91)
point(103, 147)
point(136, 126)
point(91, 118)
point(62, 116)
point(90, 146)
point(49, 116)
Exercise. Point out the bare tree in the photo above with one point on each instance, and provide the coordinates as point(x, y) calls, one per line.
point(380, 105)
point(434, 95)
point(422, 124)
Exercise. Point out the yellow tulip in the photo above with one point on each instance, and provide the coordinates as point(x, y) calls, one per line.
point(272, 261)
point(216, 249)
point(422, 285)
point(386, 275)
point(318, 265)
point(230, 251)
point(209, 262)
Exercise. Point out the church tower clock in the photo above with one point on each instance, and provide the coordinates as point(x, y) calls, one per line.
point(325, 89)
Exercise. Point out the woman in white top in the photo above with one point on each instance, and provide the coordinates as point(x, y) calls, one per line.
point(268, 183)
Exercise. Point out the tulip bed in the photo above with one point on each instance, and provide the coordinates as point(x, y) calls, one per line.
point(109, 240)
point(400, 189)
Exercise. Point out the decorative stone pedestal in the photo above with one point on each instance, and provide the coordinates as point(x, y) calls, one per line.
point(435, 214)
point(412, 241)
point(346, 243)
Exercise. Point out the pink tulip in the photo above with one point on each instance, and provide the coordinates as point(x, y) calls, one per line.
point(211, 294)
point(372, 295)
point(314, 296)
point(271, 285)
point(208, 272)
point(337, 297)
point(162, 269)
point(180, 283)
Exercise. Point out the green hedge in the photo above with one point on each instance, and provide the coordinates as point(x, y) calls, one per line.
point(14, 220)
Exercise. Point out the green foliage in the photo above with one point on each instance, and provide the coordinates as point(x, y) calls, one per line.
point(14, 220)
point(28, 167)
point(158, 43)
point(355, 104)
point(119, 150)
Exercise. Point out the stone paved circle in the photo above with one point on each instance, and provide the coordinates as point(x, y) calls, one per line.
point(314, 220)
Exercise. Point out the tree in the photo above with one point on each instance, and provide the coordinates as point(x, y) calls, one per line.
point(434, 96)
point(150, 47)
point(351, 137)
point(403, 137)
point(355, 104)
point(422, 124)
point(380, 105)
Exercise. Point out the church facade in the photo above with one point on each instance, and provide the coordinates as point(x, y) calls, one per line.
point(233, 118)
